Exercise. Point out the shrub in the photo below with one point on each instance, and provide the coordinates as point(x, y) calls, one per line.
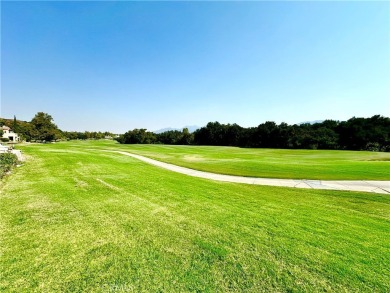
point(373, 147)
point(7, 161)
point(5, 139)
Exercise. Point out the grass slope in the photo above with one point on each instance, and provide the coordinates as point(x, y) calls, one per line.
point(268, 163)
point(83, 220)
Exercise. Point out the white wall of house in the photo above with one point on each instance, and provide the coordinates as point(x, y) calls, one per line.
point(8, 133)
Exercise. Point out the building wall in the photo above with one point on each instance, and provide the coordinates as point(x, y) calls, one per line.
point(12, 136)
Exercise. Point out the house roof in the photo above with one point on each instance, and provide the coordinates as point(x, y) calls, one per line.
point(6, 128)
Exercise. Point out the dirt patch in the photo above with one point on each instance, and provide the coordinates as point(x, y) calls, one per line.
point(193, 158)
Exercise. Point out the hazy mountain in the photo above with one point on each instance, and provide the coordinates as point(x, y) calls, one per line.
point(191, 128)
point(164, 130)
point(311, 122)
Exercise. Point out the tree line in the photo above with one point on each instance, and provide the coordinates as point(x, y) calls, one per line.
point(42, 129)
point(354, 134)
point(142, 136)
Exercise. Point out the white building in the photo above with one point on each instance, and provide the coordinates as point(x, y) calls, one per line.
point(8, 133)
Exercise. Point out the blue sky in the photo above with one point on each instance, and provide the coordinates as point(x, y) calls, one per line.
point(121, 65)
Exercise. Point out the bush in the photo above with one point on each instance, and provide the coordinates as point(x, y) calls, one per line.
point(5, 139)
point(373, 147)
point(7, 161)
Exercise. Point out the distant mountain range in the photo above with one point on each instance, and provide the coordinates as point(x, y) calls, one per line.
point(311, 122)
point(191, 129)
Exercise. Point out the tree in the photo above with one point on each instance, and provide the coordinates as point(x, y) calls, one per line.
point(43, 128)
point(136, 136)
point(169, 137)
point(15, 125)
point(186, 137)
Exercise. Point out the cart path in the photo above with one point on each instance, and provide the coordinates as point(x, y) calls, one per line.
point(350, 185)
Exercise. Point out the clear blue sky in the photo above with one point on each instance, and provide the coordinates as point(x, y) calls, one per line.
point(121, 65)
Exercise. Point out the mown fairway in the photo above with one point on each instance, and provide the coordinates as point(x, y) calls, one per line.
point(77, 218)
point(268, 163)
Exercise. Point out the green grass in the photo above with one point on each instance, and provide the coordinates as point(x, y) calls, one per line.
point(74, 219)
point(268, 163)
